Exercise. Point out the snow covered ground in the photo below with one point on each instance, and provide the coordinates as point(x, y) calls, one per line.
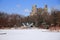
point(28, 34)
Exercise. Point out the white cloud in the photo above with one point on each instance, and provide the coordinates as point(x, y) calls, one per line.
point(57, 7)
point(27, 10)
point(49, 10)
point(18, 5)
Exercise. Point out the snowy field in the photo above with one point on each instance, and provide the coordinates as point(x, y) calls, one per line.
point(28, 34)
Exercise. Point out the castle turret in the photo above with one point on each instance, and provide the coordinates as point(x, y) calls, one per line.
point(45, 8)
point(34, 10)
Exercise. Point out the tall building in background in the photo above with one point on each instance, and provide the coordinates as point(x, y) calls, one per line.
point(45, 8)
point(36, 10)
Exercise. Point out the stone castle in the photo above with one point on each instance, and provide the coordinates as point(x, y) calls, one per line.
point(36, 10)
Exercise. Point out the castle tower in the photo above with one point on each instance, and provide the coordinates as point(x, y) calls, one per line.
point(45, 8)
point(34, 10)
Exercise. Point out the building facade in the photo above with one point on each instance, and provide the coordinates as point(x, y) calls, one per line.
point(36, 10)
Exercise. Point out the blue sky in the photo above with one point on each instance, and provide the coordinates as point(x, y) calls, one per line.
point(24, 7)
